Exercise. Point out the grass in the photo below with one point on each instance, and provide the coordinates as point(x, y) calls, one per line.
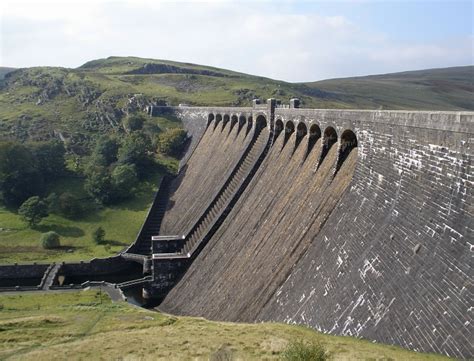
point(121, 222)
point(86, 325)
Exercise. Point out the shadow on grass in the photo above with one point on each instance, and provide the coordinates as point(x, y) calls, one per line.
point(111, 242)
point(65, 231)
point(143, 196)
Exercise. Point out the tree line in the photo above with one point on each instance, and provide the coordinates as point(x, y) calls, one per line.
point(116, 164)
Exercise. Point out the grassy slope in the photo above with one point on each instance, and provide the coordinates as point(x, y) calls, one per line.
point(121, 222)
point(434, 89)
point(113, 83)
point(86, 325)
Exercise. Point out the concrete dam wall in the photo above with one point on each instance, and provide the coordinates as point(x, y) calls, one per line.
point(351, 222)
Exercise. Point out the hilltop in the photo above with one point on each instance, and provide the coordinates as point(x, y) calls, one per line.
point(432, 89)
point(44, 102)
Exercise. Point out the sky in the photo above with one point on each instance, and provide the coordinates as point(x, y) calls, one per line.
point(287, 39)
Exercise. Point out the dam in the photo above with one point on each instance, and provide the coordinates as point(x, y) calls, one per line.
point(351, 222)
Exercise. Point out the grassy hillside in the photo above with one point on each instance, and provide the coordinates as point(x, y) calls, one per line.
point(434, 89)
point(74, 103)
point(86, 325)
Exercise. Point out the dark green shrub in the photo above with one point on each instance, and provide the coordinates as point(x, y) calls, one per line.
point(300, 351)
point(98, 185)
point(19, 174)
point(98, 235)
point(124, 180)
point(50, 158)
point(137, 149)
point(69, 205)
point(172, 141)
point(105, 151)
point(50, 240)
point(134, 122)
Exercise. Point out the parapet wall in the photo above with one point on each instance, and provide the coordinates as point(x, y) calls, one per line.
point(391, 262)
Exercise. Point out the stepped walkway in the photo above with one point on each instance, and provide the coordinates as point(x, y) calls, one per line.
point(218, 207)
point(50, 276)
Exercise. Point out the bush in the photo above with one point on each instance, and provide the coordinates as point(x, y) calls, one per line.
point(300, 351)
point(98, 235)
point(134, 122)
point(50, 240)
point(49, 158)
point(136, 149)
point(172, 141)
point(98, 185)
point(124, 180)
point(33, 210)
point(19, 175)
point(105, 151)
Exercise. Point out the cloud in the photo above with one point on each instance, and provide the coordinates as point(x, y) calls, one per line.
point(263, 38)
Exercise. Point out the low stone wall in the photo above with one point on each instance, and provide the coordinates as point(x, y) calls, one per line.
point(22, 275)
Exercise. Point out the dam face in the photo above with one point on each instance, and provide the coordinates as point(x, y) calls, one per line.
point(351, 222)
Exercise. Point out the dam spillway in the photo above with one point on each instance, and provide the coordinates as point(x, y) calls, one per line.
point(351, 222)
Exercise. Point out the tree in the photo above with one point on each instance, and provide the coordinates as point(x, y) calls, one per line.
point(98, 235)
point(124, 180)
point(19, 176)
point(98, 185)
point(33, 210)
point(69, 205)
point(172, 141)
point(50, 240)
point(136, 149)
point(105, 151)
point(134, 122)
point(49, 158)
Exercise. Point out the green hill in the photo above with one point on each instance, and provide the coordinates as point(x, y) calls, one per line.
point(42, 102)
point(433, 89)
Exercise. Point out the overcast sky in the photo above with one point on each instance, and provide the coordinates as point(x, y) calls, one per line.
point(288, 40)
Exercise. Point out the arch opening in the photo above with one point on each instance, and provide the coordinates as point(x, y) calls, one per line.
point(226, 120)
point(314, 135)
point(210, 118)
point(261, 122)
point(278, 129)
point(242, 121)
point(301, 131)
point(348, 143)
point(289, 130)
point(218, 120)
point(233, 121)
point(329, 138)
point(249, 124)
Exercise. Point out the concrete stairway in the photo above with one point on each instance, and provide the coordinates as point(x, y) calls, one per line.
point(50, 276)
point(152, 224)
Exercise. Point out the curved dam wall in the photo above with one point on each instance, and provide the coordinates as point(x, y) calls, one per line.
point(220, 147)
point(375, 242)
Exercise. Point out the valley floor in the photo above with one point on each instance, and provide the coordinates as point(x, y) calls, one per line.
point(87, 325)
point(121, 222)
